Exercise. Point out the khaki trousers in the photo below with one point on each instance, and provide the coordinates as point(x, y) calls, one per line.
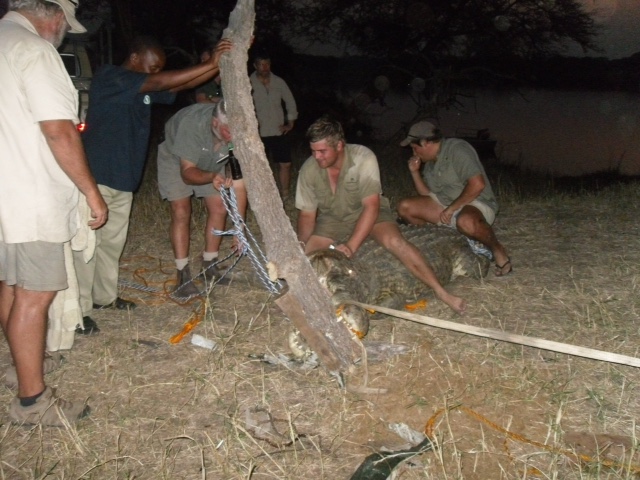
point(98, 279)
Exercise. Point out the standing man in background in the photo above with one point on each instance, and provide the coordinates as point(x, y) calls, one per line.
point(42, 166)
point(269, 91)
point(116, 140)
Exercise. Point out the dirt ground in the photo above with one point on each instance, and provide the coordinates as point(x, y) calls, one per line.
point(494, 410)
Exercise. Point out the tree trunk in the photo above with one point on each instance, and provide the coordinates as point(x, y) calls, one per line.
point(306, 303)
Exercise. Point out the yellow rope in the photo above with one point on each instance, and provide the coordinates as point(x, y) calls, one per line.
point(430, 425)
point(142, 274)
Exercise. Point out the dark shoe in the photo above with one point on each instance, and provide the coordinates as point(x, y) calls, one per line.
point(52, 361)
point(88, 327)
point(211, 273)
point(185, 288)
point(117, 304)
point(209, 270)
point(49, 410)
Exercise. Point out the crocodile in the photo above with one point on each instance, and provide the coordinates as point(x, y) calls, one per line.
point(375, 276)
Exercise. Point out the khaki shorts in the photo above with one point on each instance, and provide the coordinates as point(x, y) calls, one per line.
point(339, 231)
point(487, 212)
point(170, 181)
point(37, 266)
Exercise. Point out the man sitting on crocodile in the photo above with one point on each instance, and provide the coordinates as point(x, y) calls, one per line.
point(339, 196)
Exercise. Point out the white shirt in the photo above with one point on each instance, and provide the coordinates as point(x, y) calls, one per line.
point(37, 199)
point(268, 104)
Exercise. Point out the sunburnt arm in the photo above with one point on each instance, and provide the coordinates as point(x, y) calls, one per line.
point(192, 175)
point(474, 187)
point(364, 225)
point(64, 141)
point(306, 224)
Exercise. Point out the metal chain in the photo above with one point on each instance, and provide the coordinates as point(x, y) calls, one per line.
point(249, 249)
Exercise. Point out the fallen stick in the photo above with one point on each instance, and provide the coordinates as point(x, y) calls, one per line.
point(507, 337)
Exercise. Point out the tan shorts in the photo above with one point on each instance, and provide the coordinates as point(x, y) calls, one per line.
point(487, 212)
point(340, 231)
point(170, 181)
point(37, 266)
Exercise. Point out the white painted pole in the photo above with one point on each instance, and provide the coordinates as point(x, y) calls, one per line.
point(507, 337)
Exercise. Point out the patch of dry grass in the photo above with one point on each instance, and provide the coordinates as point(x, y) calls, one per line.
point(163, 411)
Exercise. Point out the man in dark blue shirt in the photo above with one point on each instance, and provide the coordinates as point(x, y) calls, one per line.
point(116, 138)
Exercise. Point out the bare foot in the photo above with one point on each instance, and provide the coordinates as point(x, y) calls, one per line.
point(456, 304)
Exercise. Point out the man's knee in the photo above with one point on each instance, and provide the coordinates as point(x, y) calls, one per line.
point(181, 211)
point(390, 238)
point(405, 208)
point(215, 206)
point(470, 220)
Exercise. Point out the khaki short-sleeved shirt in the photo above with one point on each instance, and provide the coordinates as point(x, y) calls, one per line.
point(359, 178)
point(457, 162)
point(38, 201)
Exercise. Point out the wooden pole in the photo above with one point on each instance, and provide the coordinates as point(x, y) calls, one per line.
point(307, 303)
point(507, 337)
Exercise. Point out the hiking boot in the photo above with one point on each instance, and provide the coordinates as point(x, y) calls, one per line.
point(88, 327)
point(184, 285)
point(52, 361)
point(49, 411)
point(117, 304)
point(209, 270)
point(211, 273)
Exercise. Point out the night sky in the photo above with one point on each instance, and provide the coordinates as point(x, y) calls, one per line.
point(619, 18)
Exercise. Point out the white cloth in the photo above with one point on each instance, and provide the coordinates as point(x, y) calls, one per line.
point(65, 312)
point(85, 238)
point(37, 199)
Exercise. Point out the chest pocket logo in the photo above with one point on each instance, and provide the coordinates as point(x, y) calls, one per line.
point(147, 100)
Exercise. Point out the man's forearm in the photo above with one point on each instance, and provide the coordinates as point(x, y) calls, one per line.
point(419, 183)
point(197, 81)
point(64, 141)
point(365, 223)
point(177, 80)
point(65, 144)
point(192, 175)
point(471, 191)
point(306, 224)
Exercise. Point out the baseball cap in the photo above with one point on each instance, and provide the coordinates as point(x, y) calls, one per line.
point(422, 129)
point(69, 9)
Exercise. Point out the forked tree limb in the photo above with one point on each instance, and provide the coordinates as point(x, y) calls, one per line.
point(507, 337)
point(306, 303)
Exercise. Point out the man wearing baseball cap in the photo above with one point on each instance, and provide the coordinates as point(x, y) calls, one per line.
point(42, 168)
point(69, 8)
point(453, 189)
